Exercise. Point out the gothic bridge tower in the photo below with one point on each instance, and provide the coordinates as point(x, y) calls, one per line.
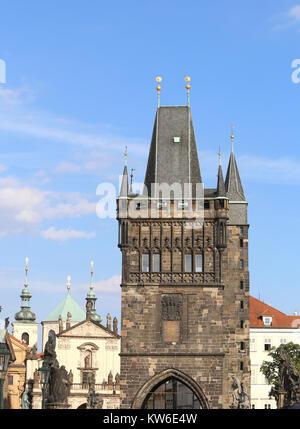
point(185, 287)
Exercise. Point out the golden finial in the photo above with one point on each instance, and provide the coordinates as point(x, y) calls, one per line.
point(158, 89)
point(125, 154)
point(68, 283)
point(92, 267)
point(232, 138)
point(220, 155)
point(188, 87)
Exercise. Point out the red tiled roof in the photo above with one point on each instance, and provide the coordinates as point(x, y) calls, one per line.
point(279, 319)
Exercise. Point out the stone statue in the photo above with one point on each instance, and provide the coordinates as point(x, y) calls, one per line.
point(117, 380)
point(110, 379)
point(60, 324)
point(89, 307)
point(240, 398)
point(70, 380)
point(6, 322)
point(108, 321)
point(25, 402)
point(58, 383)
point(49, 352)
point(36, 379)
point(115, 325)
point(289, 381)
point(94, 400)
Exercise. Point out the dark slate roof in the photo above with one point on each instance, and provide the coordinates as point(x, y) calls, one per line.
point(170, 162)
point(210, 192)
point(233, 182)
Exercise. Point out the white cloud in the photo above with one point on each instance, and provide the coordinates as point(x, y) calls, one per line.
point(294, 13)
point(23, 208)
point(53, 233)
point(2, 168)
point(16, 96)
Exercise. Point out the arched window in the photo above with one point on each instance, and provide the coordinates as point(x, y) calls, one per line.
point(171, 394)
point(25, 338)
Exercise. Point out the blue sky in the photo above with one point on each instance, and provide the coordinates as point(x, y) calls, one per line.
point(80, 85)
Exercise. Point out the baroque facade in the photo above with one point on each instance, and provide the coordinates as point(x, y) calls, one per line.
point(185, 280)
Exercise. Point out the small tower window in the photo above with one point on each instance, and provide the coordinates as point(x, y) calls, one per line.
point(268, 344)
point(188, 263)
point(176, 139)
point(241, 285)
point(206, 205)
point(25, 338)
point(199, 263)
point(156, 262)
point(241, 242)
point(145, 263)
point(241, 264)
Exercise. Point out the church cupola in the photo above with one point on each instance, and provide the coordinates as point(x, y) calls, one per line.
point(91, 297)
point(25, 315)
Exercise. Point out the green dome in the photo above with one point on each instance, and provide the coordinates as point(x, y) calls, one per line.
point(67, 305)
point(25, 316)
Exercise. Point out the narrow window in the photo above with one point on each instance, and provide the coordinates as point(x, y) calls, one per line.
point(241, 264)
point(242, 345)
point(145, 263)
point(188, 263)
point(206, 205)
point(241, 366)
point(199, 263)
point(242, 324)
point(156, 262)
point(242, 305)
point(241, 230)
point(10, 380)
point(241, 285)
point(241, 242)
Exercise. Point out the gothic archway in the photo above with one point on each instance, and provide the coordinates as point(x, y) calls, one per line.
point(170, 389)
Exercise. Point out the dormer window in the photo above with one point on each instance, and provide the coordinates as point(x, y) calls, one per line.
point(267, 320)
point(176, 139)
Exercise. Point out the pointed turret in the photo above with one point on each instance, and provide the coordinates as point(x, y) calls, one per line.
point(124, 185)
point(221, 191)
point(233, 182)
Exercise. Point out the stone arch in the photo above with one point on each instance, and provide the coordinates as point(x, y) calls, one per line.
point(163, 376)
point(82, 407)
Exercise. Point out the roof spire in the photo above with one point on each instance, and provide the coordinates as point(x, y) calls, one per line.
point(233, 182)
point(125, 154)
point(232, 138)
point(158, 89)
point(68, 283)
point(92, 275)
point(26, 271)
point(188, 87)
point(131, 177)
point(221, 191)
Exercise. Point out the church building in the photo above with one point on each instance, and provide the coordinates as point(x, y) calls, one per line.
point(185, 279)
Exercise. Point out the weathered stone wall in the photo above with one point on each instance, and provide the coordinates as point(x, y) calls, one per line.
point(186, 321)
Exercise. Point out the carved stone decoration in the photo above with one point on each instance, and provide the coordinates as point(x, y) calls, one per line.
point(240, 398)
point(171, 307)
point(60, 324)
point(110, 379)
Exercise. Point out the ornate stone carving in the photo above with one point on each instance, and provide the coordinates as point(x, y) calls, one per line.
point(171, 307)
point(240, 398)
point(289, 381)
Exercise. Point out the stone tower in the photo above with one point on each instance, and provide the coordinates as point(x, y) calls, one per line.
point(185, 281)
